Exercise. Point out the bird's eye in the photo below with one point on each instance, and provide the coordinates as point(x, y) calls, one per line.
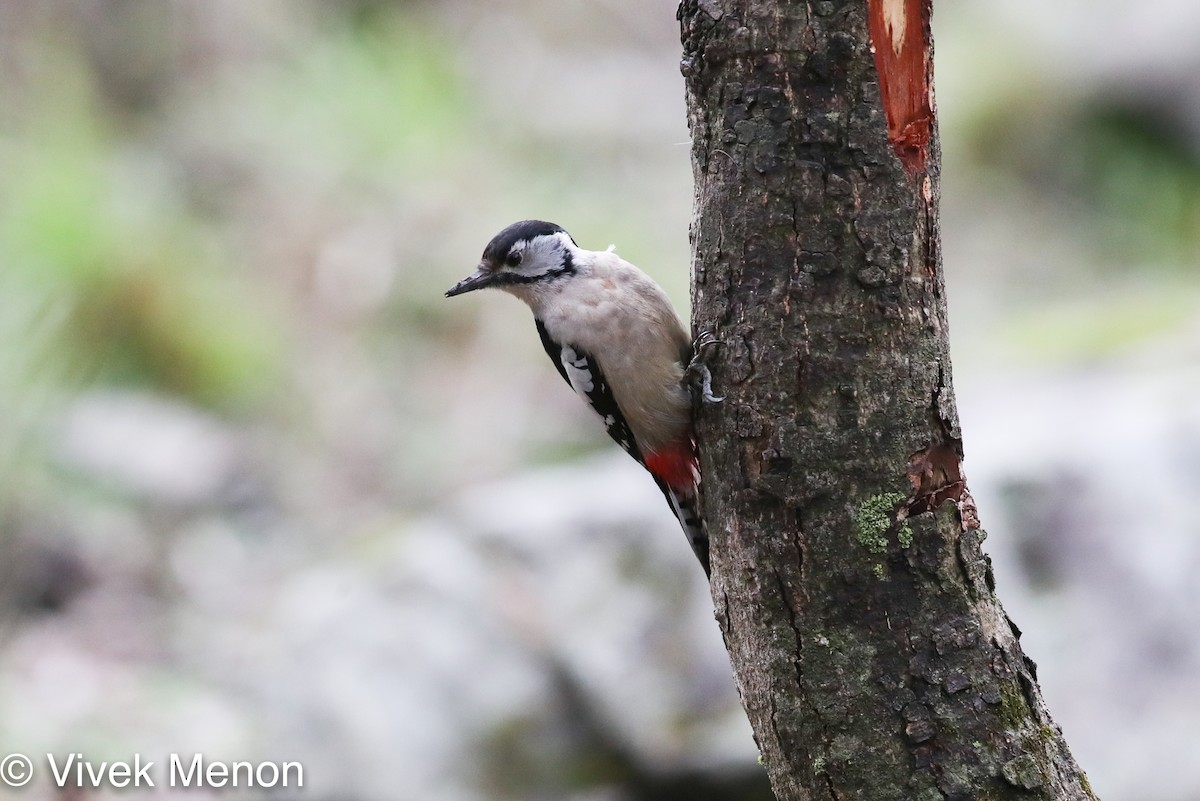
point(513, 258)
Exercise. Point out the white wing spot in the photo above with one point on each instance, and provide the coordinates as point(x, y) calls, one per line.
point(578, 372)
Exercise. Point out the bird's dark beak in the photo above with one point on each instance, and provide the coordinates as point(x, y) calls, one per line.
point(477, 280)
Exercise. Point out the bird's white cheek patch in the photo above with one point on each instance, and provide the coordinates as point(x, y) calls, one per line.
point(579, 372)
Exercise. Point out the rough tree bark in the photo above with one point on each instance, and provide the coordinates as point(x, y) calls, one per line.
point(872, 655)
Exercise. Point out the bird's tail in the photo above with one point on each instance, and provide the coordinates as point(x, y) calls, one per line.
point(685, 505)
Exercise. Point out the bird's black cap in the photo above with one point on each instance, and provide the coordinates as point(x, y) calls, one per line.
point(517, 232)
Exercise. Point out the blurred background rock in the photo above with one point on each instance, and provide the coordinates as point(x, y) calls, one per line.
point(266, 496)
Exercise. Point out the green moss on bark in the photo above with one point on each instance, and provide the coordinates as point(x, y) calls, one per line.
point(875, 517)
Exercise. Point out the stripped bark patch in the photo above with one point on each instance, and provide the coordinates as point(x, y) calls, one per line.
point(936, 476)
point(901, 40)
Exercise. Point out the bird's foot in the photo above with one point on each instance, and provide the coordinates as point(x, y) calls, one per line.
point(697, 377)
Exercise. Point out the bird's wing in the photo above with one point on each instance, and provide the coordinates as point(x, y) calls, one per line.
point(583, 374)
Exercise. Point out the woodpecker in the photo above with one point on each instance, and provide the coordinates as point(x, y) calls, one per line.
point(615, 338)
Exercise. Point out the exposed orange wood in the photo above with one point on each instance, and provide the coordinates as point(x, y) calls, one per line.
point(900, 37)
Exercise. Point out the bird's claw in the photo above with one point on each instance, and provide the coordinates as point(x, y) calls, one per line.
point(697, 376)
point(703, 342)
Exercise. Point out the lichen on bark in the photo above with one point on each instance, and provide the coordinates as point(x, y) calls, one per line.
point(875, 517)
point(872, 656)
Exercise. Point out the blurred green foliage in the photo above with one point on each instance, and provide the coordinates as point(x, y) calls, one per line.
point(88, 226)
point(1122, 172)
point(1071, 205)
point(372, 103)
point(1138, 169)
point(102, 214)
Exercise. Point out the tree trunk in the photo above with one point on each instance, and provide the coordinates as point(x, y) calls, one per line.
point(872, 655)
